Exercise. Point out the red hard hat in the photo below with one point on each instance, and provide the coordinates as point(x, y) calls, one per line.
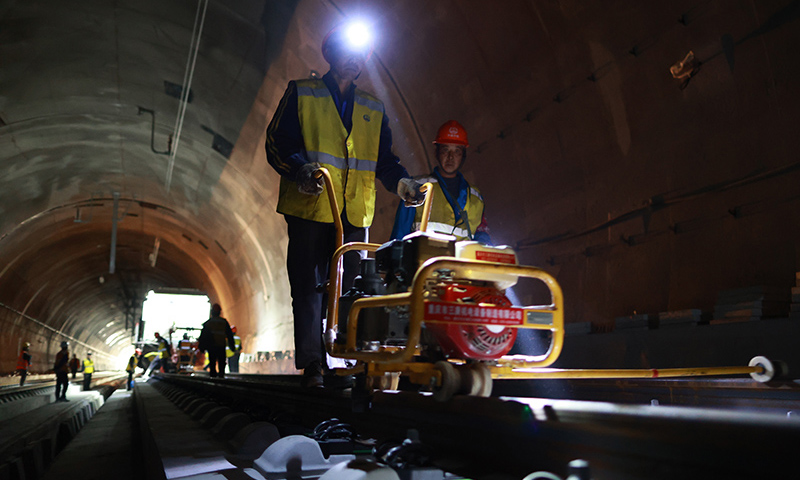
point(452, 132)
point(233, 328)
point(339, 34)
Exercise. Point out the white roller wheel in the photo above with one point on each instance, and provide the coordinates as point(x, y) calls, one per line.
point(451, 381)
point(481, 380)
point(769, 369)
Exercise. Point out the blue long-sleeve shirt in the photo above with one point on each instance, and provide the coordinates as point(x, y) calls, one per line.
point(286, 150)
point(405, 216)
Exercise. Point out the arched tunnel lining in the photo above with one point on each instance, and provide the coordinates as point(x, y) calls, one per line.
point(586, 150)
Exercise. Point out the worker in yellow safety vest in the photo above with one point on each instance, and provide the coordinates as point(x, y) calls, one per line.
point(328, 122)
point(233, 355)
point(131, 367)
point(88, 370)
point(458, 207)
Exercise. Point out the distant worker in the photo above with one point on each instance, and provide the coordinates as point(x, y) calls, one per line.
point(233, 355)
point(61, 367)
point(328, 122)
point(185, 353)
point(88, 370)
point(23, 363)
point(161, 359)
point(457, 207)
point(131, 368)
point(74, 365)
point(215, 334)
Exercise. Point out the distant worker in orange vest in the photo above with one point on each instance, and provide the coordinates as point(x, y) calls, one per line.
point(23, 362)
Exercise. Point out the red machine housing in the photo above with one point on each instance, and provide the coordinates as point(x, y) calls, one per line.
point(480, 317)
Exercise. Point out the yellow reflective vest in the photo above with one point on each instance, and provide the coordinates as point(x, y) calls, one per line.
point(351, 159)
point(237, 340)
point(443, 218)
point(88, 366)
point(132, 364)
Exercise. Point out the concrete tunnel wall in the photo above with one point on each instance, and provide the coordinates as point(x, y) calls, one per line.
point(595, 163)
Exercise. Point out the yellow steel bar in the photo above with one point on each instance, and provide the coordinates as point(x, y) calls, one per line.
point(335, 286)
point(427, 188)
point(506, 372)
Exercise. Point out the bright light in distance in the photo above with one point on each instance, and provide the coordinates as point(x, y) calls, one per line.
point(358, 35)
point(162, 311)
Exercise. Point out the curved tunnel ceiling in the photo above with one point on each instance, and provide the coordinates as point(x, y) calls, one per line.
point(593, 159)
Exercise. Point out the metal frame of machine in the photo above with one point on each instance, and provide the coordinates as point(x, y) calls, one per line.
point(383, 365)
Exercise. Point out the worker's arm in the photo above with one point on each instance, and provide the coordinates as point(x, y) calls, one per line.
point(229, 334)
point(403, 221)
point(388, 170)
point(285, 148)
point(482, 232)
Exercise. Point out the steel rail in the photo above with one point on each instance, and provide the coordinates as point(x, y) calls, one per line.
point(510, 437)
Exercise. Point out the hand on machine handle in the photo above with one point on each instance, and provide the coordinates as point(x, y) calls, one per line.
point(410, 191)
point(307, 182)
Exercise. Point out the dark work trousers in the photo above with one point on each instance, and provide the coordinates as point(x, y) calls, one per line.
point(216, 356)
point(87, 381)
point(22, 375)
point(130, 380)
point(74, 371)
point(62, 382)
point(233, 363)
point(311, 246)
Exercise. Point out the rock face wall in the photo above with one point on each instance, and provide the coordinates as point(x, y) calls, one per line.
point(640, 192)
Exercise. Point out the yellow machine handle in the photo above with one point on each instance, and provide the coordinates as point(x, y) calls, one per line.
point(337, 219)
point(426, 188)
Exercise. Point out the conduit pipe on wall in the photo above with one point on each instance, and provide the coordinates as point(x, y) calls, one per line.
point(56, 331)
point(191, 61)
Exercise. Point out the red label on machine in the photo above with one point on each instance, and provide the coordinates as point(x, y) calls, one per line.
point(448, 312)
point(496, 257)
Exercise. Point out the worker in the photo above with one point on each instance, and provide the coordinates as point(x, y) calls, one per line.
point(74, 365)
point(61, 368)
point(457, 207)
point(328, 122)
point(131, 367)
point(213, 337)
point(23, 363)
point(88, 370)
point(184, 353)
point(233, 355)
point(161, 359)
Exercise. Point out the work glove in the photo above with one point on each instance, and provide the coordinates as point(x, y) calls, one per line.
point(410, 191)
point(306, 183)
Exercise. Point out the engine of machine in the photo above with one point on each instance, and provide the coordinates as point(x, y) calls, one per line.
point(464, 318)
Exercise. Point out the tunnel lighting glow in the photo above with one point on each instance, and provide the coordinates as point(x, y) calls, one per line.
point(162, 311)
point(358, 35)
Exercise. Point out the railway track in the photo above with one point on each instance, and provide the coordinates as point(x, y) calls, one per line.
point(511, 436)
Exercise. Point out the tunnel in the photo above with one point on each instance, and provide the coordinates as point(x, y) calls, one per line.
point(644, 154)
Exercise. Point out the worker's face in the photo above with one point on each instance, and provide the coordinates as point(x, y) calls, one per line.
point(450, 157)
point(346, 64)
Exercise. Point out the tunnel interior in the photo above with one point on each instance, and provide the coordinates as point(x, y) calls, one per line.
point(640, 192)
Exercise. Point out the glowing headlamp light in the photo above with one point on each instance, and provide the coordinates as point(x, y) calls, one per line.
point(357, 36)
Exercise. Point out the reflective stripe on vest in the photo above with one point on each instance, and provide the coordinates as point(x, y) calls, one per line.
point(88, 366)
point(443, 218)
point(351, 159)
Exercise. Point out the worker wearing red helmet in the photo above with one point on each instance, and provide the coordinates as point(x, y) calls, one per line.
point(458, 207)
point(328, 122)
